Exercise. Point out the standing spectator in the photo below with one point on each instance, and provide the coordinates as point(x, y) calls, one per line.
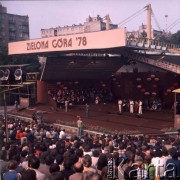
point(120, 106)
point(79, 125)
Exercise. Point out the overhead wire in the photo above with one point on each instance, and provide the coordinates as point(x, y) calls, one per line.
point(173, 24)
point(155, 19)
point(132, 16)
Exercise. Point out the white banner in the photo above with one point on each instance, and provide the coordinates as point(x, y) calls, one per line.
point(95, 40)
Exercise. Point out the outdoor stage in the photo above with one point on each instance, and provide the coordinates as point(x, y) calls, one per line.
point(105, 117)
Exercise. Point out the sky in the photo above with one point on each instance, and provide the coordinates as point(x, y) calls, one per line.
point(47, 14)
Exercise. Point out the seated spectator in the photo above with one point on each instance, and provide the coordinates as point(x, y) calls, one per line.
point(29, 174)
point(59, 161)
point(173, 163)
point(95, 157)
point(87, 162)
point(68, 171)
point(34, 164)
point(19, 168)
point(11, 173)
point(54, 168)
point(45, 168)
point(78, 169)
point(57, 176)
point(149, 167)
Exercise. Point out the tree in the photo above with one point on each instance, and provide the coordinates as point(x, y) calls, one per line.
point(175, 38)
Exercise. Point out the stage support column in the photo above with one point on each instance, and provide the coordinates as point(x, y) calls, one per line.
point(177, 108)
point(42, 92)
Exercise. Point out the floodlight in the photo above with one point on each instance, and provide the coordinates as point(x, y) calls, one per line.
point(6, 74)
point(18, 74)
point(1, 75)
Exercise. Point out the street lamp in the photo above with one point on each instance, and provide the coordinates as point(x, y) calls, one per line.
point(166, 16)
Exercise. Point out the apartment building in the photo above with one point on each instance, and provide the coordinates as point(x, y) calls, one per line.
point(92, 24)
point(12, 27)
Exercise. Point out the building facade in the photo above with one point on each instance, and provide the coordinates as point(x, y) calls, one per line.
point(142, 33)
point(12, 27)
point(92, 24)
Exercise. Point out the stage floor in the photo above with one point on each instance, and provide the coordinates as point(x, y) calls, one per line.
point(106, 117)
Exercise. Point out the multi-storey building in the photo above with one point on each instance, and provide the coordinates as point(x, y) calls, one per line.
point(12, 27)
point(91, 24)
point(142, 33)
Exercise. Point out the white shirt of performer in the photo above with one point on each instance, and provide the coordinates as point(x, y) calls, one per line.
point(140, 107)
point(131, 106)
point(120, 106)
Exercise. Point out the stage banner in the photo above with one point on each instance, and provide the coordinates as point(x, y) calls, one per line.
point(85, 41)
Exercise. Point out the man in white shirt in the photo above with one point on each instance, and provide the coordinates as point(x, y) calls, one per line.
point(62, 134)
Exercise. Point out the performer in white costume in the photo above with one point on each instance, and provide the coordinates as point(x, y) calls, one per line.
point(131, 102)
point(120, 106)
point(140, 108)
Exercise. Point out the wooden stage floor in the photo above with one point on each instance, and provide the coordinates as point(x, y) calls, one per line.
point(106, 117)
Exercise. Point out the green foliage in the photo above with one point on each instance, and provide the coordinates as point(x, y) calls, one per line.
point(170, 38)
point(175, 38)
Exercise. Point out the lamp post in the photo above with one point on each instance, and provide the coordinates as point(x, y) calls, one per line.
point(5, 108)
point(166, 16)
point(5, 116)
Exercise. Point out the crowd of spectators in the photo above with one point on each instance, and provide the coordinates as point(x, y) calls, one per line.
point(39, 152)
point(79, 95)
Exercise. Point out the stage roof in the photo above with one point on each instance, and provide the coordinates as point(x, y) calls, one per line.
point(73, 68)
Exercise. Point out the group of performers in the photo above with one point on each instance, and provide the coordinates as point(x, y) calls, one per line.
point(131, 106)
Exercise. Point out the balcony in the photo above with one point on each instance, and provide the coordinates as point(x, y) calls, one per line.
point(12, 30)
point(12, 22)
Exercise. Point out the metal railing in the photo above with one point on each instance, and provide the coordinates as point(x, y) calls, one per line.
point(161, 64)
point(152, 44)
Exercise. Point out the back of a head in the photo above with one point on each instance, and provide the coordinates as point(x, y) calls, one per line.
point(79, 152)
point(12, 165)
point(49, 160)
point(78, 167)
point(87, 161)
point(34, 162)
point(95, 153)
point(29, 174)
point(68, 163)
point(102, 161)
point(59, 159)
point(54, 168)
point(173, 153)
point(57, 176)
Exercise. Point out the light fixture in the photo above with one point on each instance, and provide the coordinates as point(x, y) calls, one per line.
point(6, 74)
point(18, 74)
point(1, 75)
